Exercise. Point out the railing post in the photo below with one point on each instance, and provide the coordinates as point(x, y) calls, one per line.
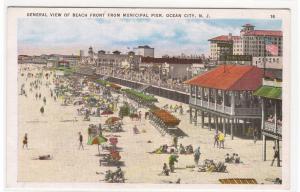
point(231, 128)
point(215, 93)
point(190, 94)
point(223, 95)
point(196, 94)
point(208, 98)
point(202, 91)
point(264, 156)
point(191, 114)
point(232, 102)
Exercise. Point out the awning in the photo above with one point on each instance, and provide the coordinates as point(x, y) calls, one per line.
point(269, 92)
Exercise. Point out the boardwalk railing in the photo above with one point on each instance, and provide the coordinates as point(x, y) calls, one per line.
point(225, 109)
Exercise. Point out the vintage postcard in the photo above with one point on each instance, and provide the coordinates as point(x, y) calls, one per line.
point(106, 97)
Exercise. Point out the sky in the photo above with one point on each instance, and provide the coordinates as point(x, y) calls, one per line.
point(173, 37)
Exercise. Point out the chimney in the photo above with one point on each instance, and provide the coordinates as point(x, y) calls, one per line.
point(230, 36)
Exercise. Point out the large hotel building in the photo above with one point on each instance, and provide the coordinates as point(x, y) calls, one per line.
point(250, 42)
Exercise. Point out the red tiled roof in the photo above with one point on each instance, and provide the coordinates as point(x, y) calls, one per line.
point(230, 77)
point(263, 33)
point(170, 60)
point(224, 38)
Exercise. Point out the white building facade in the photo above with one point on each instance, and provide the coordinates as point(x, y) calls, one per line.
point(249, 42)
point(144, 51)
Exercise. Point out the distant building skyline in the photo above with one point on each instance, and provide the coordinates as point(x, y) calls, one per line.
point(171, 37)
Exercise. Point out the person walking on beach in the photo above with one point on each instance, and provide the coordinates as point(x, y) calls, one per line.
point(221, 138)
point(255, 135)
point(44, 100)
point(172, 160)
point(25, 141)
point(175, 141)
point(276, 156)
point(80, 141)
point(140, 115)
point(197, 156)
point(216, 138)
point(166, 170)
point(42, 110)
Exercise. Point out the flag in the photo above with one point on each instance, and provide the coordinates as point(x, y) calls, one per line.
point(271, 48)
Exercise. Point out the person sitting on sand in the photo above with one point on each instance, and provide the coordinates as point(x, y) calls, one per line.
point(237, 158)
point(165, 148)
point(166, 170)
point(189, 149)
point(181, 149)
point(227, 158)
point(159, 150)
point(232, 158)
point(135, 130)
point(43, 157)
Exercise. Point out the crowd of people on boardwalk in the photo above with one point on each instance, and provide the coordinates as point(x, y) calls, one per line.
point(149, 77)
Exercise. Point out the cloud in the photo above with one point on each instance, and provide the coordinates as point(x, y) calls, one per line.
point(167, 36)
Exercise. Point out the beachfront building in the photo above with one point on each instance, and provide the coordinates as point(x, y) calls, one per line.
point(63, 63)
point(111, 63)
point(73, 60)
point(225, 95)
point(173, 68)
point(144, 51)
point(222, 45)
point(271, 101)
point(250, 42)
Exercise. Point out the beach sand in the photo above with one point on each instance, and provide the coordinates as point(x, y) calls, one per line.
point(56, 134)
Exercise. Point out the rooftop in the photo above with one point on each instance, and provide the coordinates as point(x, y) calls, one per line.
point(170, 60)
point(230, 77)
point(225, 38)
point(264, 33)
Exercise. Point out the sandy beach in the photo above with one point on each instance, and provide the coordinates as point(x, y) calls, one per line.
point(56, 133)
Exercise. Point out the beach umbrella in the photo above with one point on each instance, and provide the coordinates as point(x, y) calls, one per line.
point(98, 140)
point(112, 120)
